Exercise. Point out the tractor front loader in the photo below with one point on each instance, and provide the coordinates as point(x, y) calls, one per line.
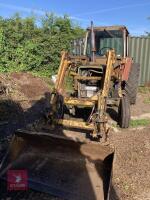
point(66, 165)
point(98, 79)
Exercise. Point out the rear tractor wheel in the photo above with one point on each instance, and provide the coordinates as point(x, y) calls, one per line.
point(132, 83)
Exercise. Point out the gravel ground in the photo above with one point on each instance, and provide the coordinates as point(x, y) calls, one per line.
point(142, 105)
point(131, 172)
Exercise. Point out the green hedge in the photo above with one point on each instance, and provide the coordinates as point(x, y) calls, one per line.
point(28, 44)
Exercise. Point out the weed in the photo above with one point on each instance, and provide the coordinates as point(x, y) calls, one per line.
point(144, 90)
point(147, 100)
point(139, 122)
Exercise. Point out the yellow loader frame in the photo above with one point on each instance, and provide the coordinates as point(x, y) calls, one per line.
point(98, 124)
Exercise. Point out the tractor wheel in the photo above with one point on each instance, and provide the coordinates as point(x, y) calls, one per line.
point(124, 112)
point(131, 86)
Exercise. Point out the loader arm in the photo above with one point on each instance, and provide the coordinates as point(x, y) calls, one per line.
point(102, 97)
point(62, 72)
point(105, 90)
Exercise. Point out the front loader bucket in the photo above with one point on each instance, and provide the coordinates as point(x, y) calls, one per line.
point(60, 166)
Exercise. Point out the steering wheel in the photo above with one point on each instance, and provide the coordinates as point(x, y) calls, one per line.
point(100, 51)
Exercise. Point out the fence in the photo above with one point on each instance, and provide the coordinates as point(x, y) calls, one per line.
point(139, 49)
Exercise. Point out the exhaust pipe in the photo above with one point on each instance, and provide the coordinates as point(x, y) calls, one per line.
point(93, 42)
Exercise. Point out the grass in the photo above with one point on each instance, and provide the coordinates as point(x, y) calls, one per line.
point(134, 123)
point(139, 122)
point(147, 100)
point(144, 90)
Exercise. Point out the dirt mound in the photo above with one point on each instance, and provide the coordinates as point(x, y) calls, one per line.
point(30, 85)
point(23, 97)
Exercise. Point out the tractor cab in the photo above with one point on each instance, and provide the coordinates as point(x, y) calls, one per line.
point(99, 40)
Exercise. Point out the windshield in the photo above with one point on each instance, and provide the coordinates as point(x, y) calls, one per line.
point(105, 40)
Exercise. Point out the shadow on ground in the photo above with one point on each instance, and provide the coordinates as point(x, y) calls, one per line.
point(113, 114)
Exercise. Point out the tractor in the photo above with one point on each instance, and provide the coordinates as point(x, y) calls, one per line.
point(103, 76)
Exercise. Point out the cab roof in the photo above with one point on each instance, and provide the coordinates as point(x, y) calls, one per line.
point(109, 28)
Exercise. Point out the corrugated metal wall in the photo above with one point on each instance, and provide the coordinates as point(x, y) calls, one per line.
point(139, 49)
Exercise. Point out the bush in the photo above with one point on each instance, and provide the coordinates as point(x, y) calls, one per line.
point(28, 45)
